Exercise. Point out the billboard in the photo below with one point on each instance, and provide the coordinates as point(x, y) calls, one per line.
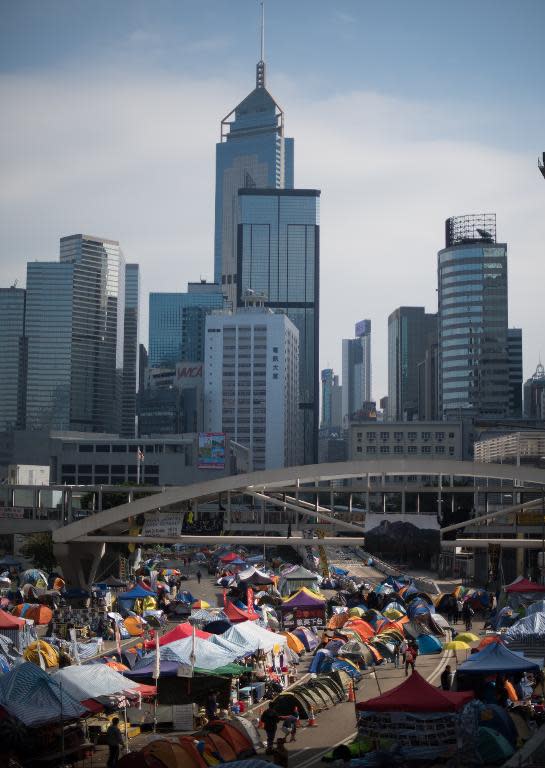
point(211, 451)
point(159, 524)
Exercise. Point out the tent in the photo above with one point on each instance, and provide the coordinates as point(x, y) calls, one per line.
point(228, 558)
point(296, 578)
point(217, 627)
point(207, 655)
point(247, 729)
point(92, 681)
point(251, 576)
point(307, 637)
point(523, 586)
point(530, 629)
point(179, 632)
point(294, 643)
point(251, 637)
point(428, 644)
point(236, 615)
point(15, 629)
point(165, 752)
point(497, 658)
point(136, 593)
point(216, 745)
point(40, 614)
point(415, 694)
point(39, 649)
point(537, 607)
point(34, 697)
point(304, 598)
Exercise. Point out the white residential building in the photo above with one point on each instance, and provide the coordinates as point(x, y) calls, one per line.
point(251, 386)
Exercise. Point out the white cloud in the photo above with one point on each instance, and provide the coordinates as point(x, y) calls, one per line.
point(133, 158)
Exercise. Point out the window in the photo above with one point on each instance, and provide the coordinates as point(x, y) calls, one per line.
point(411, 435)
point(451, 435)
point(439, 435)
point(371, 435)
point(85, 448)
point(359, 436)
point(371, 449)
point(439, 449)
point(359, 449)
point(384, 435)
point(68, 468)
point(102, 448)
point(426, 449)
point(119, 449)
point(411, 449)
point(385, 449)
point(451, 450)
point(398, 449)
point(426, 435)
point(102, 469)
point(398, 435)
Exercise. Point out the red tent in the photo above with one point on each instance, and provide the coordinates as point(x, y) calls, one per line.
point(416, 695)
point(525, 586)
point(178, 633)
point(235, 614)
point(7, 621)
point(229, 557)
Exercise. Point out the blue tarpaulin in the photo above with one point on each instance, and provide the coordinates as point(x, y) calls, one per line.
point(497, 658)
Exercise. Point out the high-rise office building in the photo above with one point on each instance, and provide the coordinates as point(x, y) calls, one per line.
point(251, 383)
point(331, 400)
point(279, 256)
point(12, 358)
point(410, 331)
point(130, 350)
point(534, 387)
point(514, 358)
point(473, 322)
point(356, 362)
point(177, 322)
point(74, 327)
point(252, 152)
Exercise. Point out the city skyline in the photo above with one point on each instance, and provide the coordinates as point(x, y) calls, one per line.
point(402, 153)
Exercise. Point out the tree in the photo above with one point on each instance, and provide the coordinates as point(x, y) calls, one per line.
point(39, 549)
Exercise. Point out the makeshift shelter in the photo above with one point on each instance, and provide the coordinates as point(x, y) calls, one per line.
point(14, 628)
point(35, 698)
point(527, 631)
point(253, 577)
point(39, 649)
point(253, 637)
point(296, 578)
point(307, 637)
point(525, 587)
point(294, 643)
point(304, 608)
point(207, 656)
point(428, 644)
point(40, 614)
point(537, 607)
point(94, 681)
point(497, 658)
point(417, 715)
point(137, 599)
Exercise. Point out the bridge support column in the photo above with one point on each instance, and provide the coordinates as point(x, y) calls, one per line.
point(79, 562)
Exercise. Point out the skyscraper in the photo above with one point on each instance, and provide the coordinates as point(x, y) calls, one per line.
point(410, 332)
point(514, 356)
point(331, 400)
point(252, 152)
point(251, 383)
point(12, 358)
point(177, 323)
point(279, 256)
point(130, 350)
point(534, 387)
point(472, 293)
point(74, 327)
point(356, 361)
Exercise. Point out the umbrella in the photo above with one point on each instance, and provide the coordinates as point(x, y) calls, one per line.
point(456, 645)
point(200, 604)
point(467, 637)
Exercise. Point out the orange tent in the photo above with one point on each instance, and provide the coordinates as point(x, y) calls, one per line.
point(362, 627)
point(193, 758)
point(134, 626)
point(218, 747)
point(240, 742)
point(488, 639)
point(375, 652)
point(337, 620)
point(161, 752)
point(397, 625)
point(40, 614)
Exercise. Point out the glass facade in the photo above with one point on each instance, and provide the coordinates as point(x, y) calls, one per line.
point(252, 153)
point(411, 332)
point(514, 346)
point(356, 360)
point(12, 358)
point(473, 357)
point(130, 350)
point(177, 323)
point(279, 255)
point(74, 328)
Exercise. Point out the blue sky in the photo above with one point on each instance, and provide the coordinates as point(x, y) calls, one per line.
point(403, 113)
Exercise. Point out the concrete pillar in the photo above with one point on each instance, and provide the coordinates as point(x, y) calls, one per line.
point(228, 526)
point(403, 509)
point(79, 562)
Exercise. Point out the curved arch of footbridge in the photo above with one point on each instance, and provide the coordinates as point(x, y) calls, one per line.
point(269, 486)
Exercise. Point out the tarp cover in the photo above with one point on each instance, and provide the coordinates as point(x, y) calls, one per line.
point(136, 593)
point(252, 637)
point(90, 681)
point(34, 697)
point(531, 626)
point(7, 621)
point(523, 585)
point(253, 576)
point(207, 655)
point(537, 607)
point(497, 658)
point(416, 695)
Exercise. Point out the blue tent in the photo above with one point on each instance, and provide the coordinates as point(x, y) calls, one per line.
point(319, 659)
point(136, 593)
point(537, 607)
point(531, 628)
point(497, 658)
point(428, 644)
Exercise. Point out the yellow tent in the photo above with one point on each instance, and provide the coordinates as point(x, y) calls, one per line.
point(294, 643)
point(305, 591)
point(40, 648)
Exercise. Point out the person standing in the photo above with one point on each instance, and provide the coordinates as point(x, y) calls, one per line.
point(467, 615)
point(114, 740)
point(396, 656)
point(199, 576)
point(211, 705)
point(410, 660)
point(459, 609)
point(446, 678)
point(270, 719)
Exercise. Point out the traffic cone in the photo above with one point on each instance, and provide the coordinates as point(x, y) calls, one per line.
point(312, 719)
point(351, 693)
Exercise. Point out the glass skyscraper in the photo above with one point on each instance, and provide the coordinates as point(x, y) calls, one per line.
point(130, 350)
point(252, 152)
point(356, 361)
point(12, 358)
point(177, 323)
point(279, 256)
point(411, 331)
point(514, 349)
point(74, 328)
point(473, 322)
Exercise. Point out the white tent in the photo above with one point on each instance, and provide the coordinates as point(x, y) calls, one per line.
point(254, 636)
point(92, 681)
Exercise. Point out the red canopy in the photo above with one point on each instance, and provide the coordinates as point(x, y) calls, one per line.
point(416, 695)
point(178, 633)
point(229, 557)
point(525, 586)
point(235, 614)
point(7, 621)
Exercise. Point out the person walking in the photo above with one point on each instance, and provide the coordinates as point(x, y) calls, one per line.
point(211, 705)
point(446, 678)
point(410, 660)
point(459, 609)
point(114, 740)
point(396, 656)
point(270, 719)
point(467, 615)
point(199, 576)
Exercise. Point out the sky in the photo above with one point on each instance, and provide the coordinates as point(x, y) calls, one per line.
point(403, 113)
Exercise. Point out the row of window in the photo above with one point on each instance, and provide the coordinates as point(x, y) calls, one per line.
point(109, 448)
point(371, 436)
point(411, 449)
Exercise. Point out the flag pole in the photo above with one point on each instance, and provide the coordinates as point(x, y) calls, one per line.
point(156, 675)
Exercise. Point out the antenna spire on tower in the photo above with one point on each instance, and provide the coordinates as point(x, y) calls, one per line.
point(260, 69)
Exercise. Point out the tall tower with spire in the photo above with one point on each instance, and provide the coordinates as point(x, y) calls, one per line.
point(252, 152)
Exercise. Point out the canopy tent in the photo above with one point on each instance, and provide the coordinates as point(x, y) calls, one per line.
point(304, 598)
point(531, 628)
point(296, 578)
point(415, 694)
point(166, 669)
point(523, 586)
point(497, 658)
point(207, 656)
point(91, 681)
point(228, 558)
point(236, 615)
point(253, 637)
point(34, 697)
point(136, 593)
point(252, 576)
point(179, 632)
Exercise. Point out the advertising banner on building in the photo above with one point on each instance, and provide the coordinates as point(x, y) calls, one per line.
point(211, 451)
point(162, 524)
